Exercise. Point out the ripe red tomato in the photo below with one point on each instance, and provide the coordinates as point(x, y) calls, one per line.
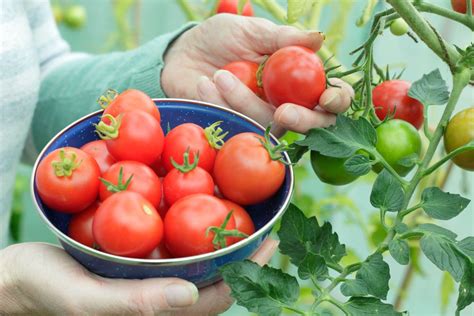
point(245, 172)
point(460, 5)
point(246, 71)
point(127, 101)
point(159, 252)
point(294, 74)
point(230, 6)
point(98, 150)
point(142, 180)
point(243, 221)
point(67, 180)
point(460, 131)
point(185, 180)
point(392, 96)
point(135, 136)
point(158, 167)
point(127, 225)
point(80, 226)
point(188, 220)
point(196, 139)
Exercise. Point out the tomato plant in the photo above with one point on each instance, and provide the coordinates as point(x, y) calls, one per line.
point(331, 170)
point(67, 180)
point(98, 150)
point(246, 71)
point(75, 16)
point(80, 226)
point(459, 132)
point(231, 6)
point(399, 27)
point(461, 6)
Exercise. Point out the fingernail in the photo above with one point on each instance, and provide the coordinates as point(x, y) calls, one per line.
point(224, 80)
point(180, 295)
point(322, 35)
point(317, 34)
point(330, 100)
point(289, 116)
point(204, 86)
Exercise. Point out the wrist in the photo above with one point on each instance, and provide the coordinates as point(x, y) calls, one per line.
point(9, 283)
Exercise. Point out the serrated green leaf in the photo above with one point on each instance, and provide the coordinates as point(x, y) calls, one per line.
point(296, 152)
point(399, 250)
point(447, 289)
point(343, 139)
point(313, 266)
point(387, 193)
point(262, 290)
point(358, 165)
point(409, 161)
point(369, 306)
point(466, 288)
point(431, 89)
point(442, 205)
point(297, 8)
point(467, 247)
point(432, 228)
point(354, 287)
point(401, 228)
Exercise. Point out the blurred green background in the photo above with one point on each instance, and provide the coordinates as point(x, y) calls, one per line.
point(119, 25)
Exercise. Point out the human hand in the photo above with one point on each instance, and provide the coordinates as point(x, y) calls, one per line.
point(199, 53)
point(38, 278)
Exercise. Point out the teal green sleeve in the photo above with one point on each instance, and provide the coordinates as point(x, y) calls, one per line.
point(70, 91)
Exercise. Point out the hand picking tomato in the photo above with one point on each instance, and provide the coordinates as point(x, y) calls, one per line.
point(98, 150)
point(159, 252)
point(131, 176)
point(186, 179)
point(294, 74)
point(392, 96)
point(397, 139)
point(243, 221)
point(460, 131)
point(127, 101)
point(127, 225)
point(248, 169)
point(230, 6)
point(80, 226)
point(67, 180)
point(193, 226)
point(133, 135)
point(246, 71)
point(460, 5)
point(194, 138)
point(330, 170)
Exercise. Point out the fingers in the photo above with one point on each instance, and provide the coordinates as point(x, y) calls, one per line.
point(207, 92)
point(337, 99)
point(265, 252)
point(300, 119)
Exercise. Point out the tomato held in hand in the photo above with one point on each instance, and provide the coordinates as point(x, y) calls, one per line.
point(192, 137)
point(246, 171)
point(133, 136)
point(187, 222)
point(98, 150)
point(460, 5)
point(331, 170)
point(80, 226)
point(127, 225)
point(186, 179)
point(246, 71)
point(131, 176)
point(243, 221)
point(67, 180)
point(231, 6)
point(392, 96)
point(460, 131)
point(294, 74)
point(397, 139)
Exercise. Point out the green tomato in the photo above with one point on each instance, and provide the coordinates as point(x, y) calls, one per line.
point(460, 131)
point(75, 16)
point(330, 169)
point(399, 27)
point(58, 13)
point(397, 139)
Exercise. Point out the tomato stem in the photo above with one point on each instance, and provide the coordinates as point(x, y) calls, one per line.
point(259, 73)
point(109, 131)
point(215, 135)
point(66, 165)
point(221, 233)
point(107, 97)
point(120, 186)
point(275, 152)
point(186, 166)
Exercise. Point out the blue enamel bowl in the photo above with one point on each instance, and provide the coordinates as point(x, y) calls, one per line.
point(202, 269)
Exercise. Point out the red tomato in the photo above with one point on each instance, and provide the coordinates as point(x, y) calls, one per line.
point(246, 71)
point(196, 139)
point(245, 172)
point(230, 6)
point(142, 180)
point(159, 252)
point(294, 74)
point(186, 179)
point(98, 150)
point(127, 225)
point(135, 136)
point(392, 96)
point(243, 221)
point(460, 5)
point(129, 100)
point(188, 220)
point(158, 167)
point(67, 180)
point(80, 226)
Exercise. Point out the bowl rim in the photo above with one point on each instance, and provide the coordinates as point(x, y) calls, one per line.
point(169, 261)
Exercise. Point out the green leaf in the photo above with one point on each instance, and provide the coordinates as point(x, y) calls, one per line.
point(297, 8)
point(447, 289)
point(367, 306)
point(399, 250)
point(409, 161)
point(358, 165)
point(431, 89)
point(296, 152)
point(262, 290)
point(442, 205)
point(372, 278)
point(313, 266)
point(387, 193)
point(343, 139)
point(432, 228)
point(466, 288)
point(467, 247)
point(401, 228)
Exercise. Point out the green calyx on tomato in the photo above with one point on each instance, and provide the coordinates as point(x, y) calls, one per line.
point(331, 170)
point(273, 151)
point(221, 233)
point(107, 97)
point(215, 135)
point(66, 165)
point(186, 166)
point(109, 131)
point(120, 186)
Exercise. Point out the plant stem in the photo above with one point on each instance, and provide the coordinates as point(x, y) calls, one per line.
point(337, 304)
point(447, 13)
point(411, 209)
point(313, 21)
point(188, 10)
point(457, 151)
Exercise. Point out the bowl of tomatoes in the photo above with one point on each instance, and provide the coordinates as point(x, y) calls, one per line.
point(171, 188)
